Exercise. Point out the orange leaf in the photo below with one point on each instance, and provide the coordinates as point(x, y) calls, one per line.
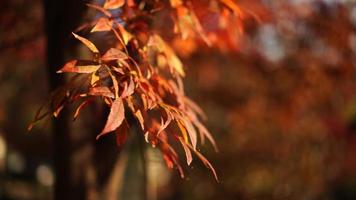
point(232, 6)
point(205, 161)
point(80, 107)
point(191, 132)
point(101, 91)
point(87, 43)
point(114, 4)
point(114, 54)
point(188, 153)
point(115, 118)
point(173, 61)
point(103, 24)
point(140, 119)
point(72, 66)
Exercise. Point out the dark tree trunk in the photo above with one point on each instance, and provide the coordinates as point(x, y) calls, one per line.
point(61, 17)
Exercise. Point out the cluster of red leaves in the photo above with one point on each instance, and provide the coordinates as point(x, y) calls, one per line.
point(140, 73)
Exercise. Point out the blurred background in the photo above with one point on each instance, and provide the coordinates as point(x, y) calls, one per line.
point(281, 107)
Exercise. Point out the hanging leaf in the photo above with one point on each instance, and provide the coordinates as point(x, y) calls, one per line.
point(188, 153)
point(140, 119)
point(73, 66)
point(80, 107)
point(114, 4)
point(103, 24)
point(205, 161)
point(115, 118)
point(87, 43)
point(114, 54)
point(191, 132)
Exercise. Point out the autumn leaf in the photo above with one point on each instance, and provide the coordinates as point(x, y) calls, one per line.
point(173, 61)
point(72, 66)
point(101, 91)
point(205, 161)
point(115, 118)
point(191, 132)
point(114, 54)
point(230, 4)
point(188, 153)
point(80, 107)
point(87, 43)
point(113, 4)
point(103, 24)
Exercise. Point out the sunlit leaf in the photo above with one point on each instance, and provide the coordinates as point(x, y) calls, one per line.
point(101, 91)
point(205, 161)
point(72, 66)
point(87, 43)
point(80, 107)
point(114, 54)
point(188, 153)
point(173, 61)
point(230, 4)
point(103, 24)
point(113, 4)
point(115, 118)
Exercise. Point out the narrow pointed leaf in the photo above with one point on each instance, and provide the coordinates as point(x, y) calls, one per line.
point(73, 66)
point(87, 43)
point(188, 153)
point(115, 118)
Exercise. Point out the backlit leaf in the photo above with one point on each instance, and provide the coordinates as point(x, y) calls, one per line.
point(114, 54)
point(87, 43)
point(103, 24)
point(80, 107)
point(115, 118)
point(205, 161)
point(113, 4)
point(72, 66)
point(188, 153)
point(101, 91)
point(173, 61)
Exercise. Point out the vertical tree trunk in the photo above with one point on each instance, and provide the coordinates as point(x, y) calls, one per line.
point(60, 18)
